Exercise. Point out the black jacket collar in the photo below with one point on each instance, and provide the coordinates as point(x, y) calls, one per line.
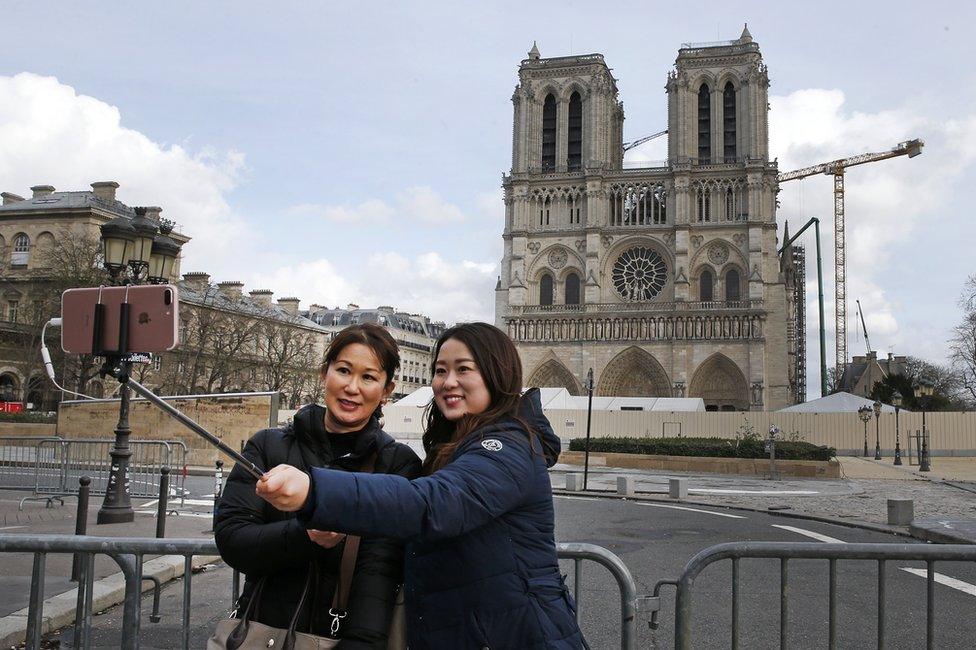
point(308, 428)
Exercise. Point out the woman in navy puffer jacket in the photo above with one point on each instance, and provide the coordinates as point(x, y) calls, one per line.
point(481, 567)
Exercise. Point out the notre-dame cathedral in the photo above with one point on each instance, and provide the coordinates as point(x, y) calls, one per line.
point(665, 280)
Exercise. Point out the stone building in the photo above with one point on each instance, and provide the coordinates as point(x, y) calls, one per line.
point(46, 241)
point(664, 280)
point(863, 372)
point(229, 341)
point(416, 335)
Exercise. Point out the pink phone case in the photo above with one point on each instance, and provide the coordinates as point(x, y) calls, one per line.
point(153, 318)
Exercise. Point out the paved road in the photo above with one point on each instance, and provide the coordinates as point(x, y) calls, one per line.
point(655, 540)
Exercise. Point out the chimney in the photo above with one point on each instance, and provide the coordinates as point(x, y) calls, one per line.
point(314, 307)
point(42, 190)
point(198, 281)
point(262, 297)
point(10, 197)
point(231, 289)
point(289, 305)
point(352, 306)
point(104, 189)
point(152, 212)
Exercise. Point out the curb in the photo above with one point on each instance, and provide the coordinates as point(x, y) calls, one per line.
point(864, 525)
point(59, 610)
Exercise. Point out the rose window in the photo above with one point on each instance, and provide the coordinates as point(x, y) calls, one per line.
point(639, 274)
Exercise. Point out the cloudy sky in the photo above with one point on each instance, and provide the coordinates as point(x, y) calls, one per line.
point(353, 151)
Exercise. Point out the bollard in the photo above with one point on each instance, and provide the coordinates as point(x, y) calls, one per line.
point(163, 499)
point(625, 486)
point(81, 522)
point(678, 488)
point(901, 512)
point(574, 482)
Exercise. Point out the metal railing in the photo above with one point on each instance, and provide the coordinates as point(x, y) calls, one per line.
point(784, 552)
point(129, 554)
point(50, 467)
point(625, 581)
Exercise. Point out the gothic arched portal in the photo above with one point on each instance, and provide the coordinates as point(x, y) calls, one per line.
point(720, 383)
point(634, 373)
point(553, 374)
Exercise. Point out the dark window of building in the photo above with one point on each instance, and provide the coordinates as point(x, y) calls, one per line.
point(732, 290)
point(545, 290)
point(21, 252)
point(575, 144)
point(572, 289)
point(544, 212)
point(730, 207)
point(705, 286)
point(704, 126)
point(728, 121)
point(549, 133)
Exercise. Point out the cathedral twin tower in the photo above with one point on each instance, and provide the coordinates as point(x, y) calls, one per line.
point(663, 279)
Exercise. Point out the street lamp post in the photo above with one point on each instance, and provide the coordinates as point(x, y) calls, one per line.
point(132, 252)
point(877, 430)
point(925, 391)
point(864, 413)
point(896, 400)
point(589, 414)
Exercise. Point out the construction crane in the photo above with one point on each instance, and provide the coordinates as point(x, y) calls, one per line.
point(836, 168)
point(647, 138)
point(867, 341)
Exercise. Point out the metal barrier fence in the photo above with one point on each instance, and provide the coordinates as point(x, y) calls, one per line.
point(51, 467)
point(128, 553)
point(784, 552)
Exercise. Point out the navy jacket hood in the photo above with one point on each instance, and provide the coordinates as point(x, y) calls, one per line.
point(530, 410)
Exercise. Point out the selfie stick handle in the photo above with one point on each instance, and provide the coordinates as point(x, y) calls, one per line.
point(244, 463)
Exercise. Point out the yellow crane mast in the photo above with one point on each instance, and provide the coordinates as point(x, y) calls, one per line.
point(836, 168)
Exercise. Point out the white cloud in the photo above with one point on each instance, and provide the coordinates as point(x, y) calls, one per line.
point(885, 203)
point(424, 204)
point(414, 204)
point(49, 134)
point(442, 289)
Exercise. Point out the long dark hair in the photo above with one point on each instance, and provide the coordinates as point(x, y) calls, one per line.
point(499, 365)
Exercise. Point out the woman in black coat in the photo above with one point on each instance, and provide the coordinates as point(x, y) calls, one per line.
point(264, 543)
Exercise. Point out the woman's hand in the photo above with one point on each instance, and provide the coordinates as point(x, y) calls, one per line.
point(285, 487)
point(325, 538)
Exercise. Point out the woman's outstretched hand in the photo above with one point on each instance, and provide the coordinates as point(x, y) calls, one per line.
point(285, 487)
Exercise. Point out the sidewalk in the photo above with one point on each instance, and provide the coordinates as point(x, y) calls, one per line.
point(59, 592)
point(860, 497)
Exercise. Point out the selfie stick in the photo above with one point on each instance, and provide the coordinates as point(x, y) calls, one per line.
point(244, 463)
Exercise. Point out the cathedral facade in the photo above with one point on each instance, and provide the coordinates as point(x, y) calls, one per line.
point(665, 280)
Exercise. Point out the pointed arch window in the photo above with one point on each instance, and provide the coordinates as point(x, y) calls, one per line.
point(575, 144)
point(549, 133)
point(544, 210)
point(706, 284)
point(545, 290)
point(732, 286)
point(572, 289)
point(730, 204)
point(704, 200)
point(728, 122)
point(704, 126)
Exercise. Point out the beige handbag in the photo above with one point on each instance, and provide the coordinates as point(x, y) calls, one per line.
point(246, 634)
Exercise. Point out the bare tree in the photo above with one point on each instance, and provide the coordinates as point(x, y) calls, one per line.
point(962, 345)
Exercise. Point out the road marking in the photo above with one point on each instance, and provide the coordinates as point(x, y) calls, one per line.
point(774, 492)
point(811, 534)
point(964, 587)
point(206, 515)
point(177, 501)
point(707, 512)
point(563, 496)
point(13, 527)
